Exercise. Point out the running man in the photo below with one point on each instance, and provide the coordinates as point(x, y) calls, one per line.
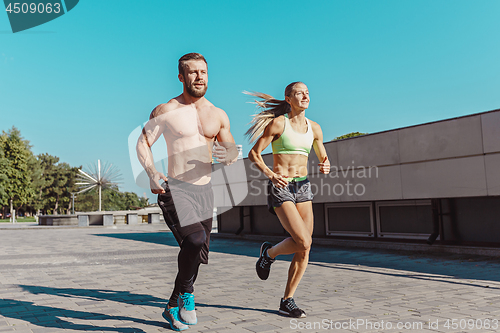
point(283, 124)
point(190, 124)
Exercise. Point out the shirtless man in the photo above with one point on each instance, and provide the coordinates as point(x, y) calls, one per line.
point(190, 124)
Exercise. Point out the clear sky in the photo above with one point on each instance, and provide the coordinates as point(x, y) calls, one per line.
point(77, 86)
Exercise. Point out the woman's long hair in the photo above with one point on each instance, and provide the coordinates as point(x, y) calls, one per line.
point(271, 108)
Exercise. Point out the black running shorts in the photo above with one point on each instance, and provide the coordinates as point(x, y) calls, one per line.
point(188, 208)
point(295, 192)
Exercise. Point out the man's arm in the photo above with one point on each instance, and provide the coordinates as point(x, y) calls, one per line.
point(150, 134)
point(226, 140)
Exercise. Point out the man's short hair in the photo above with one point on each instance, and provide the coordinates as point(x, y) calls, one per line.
point(187, 57)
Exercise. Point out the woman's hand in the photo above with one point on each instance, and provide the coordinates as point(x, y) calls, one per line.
point(324, 167)
point(278, 180)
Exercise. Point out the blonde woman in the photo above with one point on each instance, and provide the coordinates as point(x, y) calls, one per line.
point(283, 124)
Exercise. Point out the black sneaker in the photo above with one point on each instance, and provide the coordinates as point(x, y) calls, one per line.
point(290, 309)
point(263, 265)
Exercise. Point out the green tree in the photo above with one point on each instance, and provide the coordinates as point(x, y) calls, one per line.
point(133, 201)
point(35, 204)
point(112, 199)
point(4, 164)
point(17, 152)
point(54, 186)
point(126, 201)
point(86, 201)
point(44, 184)
point(62, 187)
point(349, 135)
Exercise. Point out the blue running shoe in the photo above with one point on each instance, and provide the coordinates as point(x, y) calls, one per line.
point(187, 313)
point(172, 316)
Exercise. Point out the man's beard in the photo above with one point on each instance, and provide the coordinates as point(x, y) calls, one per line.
point(191, 90)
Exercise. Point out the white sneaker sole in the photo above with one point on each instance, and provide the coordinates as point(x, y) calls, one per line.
point(303, 315)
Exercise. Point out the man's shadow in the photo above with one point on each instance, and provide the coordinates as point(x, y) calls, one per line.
point(52, 317)
point(119, 296)
point(98, 295)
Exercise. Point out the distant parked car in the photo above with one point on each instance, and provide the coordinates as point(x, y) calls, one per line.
point(7, 215)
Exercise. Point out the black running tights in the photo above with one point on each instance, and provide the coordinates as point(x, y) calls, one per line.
point(188, 264)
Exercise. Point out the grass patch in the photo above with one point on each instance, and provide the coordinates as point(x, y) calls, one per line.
point(19, 220)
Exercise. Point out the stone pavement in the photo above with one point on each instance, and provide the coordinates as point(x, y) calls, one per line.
point(117, 279)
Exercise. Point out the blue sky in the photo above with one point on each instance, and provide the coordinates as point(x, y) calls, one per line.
point(77, 86)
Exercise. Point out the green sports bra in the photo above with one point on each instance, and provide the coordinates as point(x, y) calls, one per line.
point(291, 142)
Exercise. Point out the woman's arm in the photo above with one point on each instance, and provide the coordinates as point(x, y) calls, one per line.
point(272, 132)
point(319, 148)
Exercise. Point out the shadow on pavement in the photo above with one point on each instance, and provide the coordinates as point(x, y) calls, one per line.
point(232, 307)
point(243, 247)
point(157, 237)
point(443, 267)
point(449, 266)
point(99, 295)
point(418, 276)
point(51, 317)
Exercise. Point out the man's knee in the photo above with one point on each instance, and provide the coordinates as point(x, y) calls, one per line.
point(195, 240)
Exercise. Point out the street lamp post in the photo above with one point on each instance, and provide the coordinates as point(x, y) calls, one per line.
point(73, 203)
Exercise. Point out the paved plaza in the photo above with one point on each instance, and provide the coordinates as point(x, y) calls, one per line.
point(118, 279)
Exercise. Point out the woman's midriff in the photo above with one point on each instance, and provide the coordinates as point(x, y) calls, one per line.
point(290, 165)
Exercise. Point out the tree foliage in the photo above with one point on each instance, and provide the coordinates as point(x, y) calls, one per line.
point(4, 164)
point(349, 135)
point(54, 185)
point(17, 159)
point(112, 199)
point(43, 184)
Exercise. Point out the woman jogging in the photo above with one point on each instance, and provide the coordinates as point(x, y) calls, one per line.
point(283, 124)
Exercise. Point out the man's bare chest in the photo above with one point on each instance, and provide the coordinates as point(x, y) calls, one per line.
point(189, 122)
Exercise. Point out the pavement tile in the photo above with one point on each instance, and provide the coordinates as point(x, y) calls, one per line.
point(261, 328)
point(118, 279)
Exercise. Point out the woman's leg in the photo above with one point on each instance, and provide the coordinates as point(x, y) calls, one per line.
point(294, 224)
point(298, 221)
point(300, 259)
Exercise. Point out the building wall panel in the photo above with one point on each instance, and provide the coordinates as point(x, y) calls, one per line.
point(452, 138)
point(459, 177)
